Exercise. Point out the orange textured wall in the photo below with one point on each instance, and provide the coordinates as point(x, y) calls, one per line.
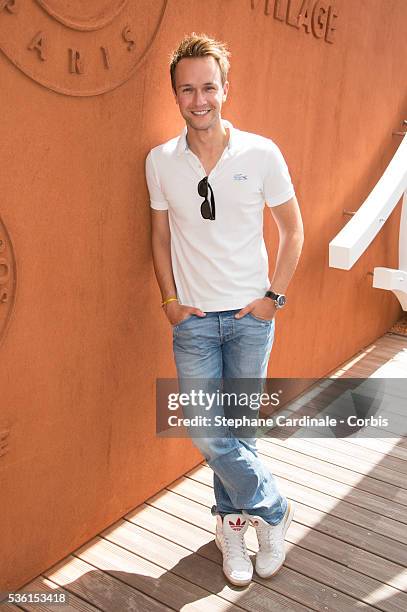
point(85, 94)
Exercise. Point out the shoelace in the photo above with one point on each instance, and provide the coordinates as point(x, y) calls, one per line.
point(268, 539)
point(235, 546)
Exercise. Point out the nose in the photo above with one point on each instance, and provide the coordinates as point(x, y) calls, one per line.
point(199, 98)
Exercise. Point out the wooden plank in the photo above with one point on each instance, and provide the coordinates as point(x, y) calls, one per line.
point(393, 345)
point(150, 579)
point(42, 585)
point(386, 446)
point(361, 371)
point(335, 451)
point(101, 589)
point(305, 536)
point(385, 367)
point(388, 351)
point(309, 515)
point(366, 476)
point(385, 352)
point(326, 571)
point(382, 356)
point(328, 478)
point(302, 588)
point(295, 483)
point(164, 544)
point(394, 338)
point(350, 470)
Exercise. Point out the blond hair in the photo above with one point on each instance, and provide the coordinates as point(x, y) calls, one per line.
point(200, 45)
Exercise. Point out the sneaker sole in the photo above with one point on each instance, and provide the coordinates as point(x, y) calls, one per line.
point(286, 526)
point(234, 582)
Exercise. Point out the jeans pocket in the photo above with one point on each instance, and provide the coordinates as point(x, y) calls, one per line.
point(249, 314)
point(182, 322)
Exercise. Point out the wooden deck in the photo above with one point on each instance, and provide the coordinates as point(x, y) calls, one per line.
point(347, 545)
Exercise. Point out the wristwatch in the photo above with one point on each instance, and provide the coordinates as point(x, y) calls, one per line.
point(278, 298)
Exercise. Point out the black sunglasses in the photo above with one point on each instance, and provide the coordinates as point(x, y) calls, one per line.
point(207, 210)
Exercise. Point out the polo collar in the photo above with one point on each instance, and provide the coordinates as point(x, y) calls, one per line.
point(182, 145)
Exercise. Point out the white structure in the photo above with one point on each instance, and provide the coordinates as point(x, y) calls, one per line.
point(346, 248)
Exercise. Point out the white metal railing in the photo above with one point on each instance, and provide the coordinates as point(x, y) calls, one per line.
point(346, 248)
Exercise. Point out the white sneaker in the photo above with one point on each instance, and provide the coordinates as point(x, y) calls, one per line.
point(271, 554)
point(237, 565)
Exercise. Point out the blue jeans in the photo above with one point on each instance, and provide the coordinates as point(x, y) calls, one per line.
point(219, 346)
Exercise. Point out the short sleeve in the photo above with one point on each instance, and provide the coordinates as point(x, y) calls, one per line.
point(277, 185)
point(157, 199)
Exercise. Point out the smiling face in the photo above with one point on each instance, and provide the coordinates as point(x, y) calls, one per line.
point(199, 91)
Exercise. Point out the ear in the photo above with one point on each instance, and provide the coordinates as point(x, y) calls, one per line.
point(225, 90)
point(175, 96)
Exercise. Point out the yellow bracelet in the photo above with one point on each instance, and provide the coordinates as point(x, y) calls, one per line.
point(168, 300)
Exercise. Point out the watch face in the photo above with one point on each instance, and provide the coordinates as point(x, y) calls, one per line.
point(281, 300)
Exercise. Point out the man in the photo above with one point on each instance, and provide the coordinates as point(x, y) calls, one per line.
point(208, 188)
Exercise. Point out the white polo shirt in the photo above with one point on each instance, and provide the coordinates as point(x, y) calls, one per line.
point(220, 264)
